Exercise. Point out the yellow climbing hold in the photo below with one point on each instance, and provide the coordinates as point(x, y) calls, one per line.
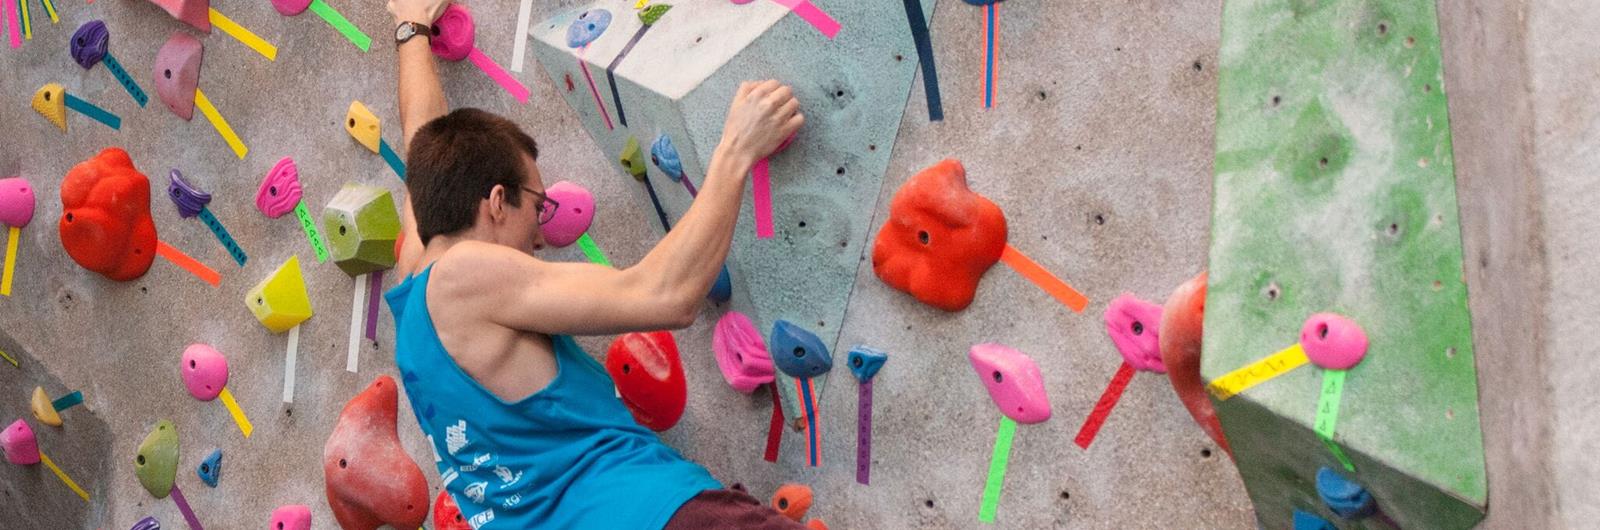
point(51, 102)
point(363, 125)
point(280, 302)
point(43, 409)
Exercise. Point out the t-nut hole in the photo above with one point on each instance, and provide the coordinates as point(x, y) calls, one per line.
point(47, 96)
point(139, 460)
point(343, 464)
point(626, 368)
point(1322, 330)
point(1138, 328)
point(352, 123)
point(922, 236)
point(167, 73)
point(997, 377)
point(341, 230)
point(799, 352)
point(856, 362)
point(191, 364)
point(205, 468)
point(272, 190)
point(783, 504)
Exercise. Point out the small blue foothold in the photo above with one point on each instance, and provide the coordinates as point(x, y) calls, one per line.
point(865, 362)
point(1309, 521)
point(665, 157)
point(1344, 497)
point(587, 27)
point(148, 523)
point(722, 291)
point(798, 352)
point(211, 468)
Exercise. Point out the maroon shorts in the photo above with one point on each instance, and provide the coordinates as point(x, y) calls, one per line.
point(729, 508)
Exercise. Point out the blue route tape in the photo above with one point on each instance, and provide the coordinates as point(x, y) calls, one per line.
point(90, 110)
point(930, 75)
point(126, 80)
point(392, 158)
point(222, 236)
point(616, 97)
point(811, 422)
point(661, 212)
point(988, 62)
point(68, 401)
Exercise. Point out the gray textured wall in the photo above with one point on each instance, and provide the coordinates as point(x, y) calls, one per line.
point(1104, 109)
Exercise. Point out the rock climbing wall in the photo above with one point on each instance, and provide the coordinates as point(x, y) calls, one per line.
point(1098, 147)
point(1335, 195)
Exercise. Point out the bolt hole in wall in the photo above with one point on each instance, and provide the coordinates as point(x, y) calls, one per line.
point(1205, 453)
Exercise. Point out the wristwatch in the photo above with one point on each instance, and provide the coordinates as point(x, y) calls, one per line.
point(406, 30)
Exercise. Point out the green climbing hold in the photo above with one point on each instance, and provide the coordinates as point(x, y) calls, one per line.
point(653, 13)
point(362, 224)
point(157, 461)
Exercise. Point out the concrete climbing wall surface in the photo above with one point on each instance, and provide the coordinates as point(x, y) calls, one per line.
point(1098, 148)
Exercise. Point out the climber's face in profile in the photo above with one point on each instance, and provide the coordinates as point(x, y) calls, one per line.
point(522, 221)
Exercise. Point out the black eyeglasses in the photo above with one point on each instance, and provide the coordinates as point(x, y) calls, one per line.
point(547, 207)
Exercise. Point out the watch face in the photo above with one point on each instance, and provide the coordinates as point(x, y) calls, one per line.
point(405, 31)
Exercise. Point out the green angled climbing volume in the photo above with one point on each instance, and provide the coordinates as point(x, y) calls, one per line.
point(1335, 192)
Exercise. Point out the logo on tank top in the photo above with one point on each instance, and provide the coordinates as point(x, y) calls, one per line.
point(455, 436)
point(483, 518)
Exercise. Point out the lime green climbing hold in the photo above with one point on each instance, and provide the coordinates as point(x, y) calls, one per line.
point(157, 462)
point(653, 13)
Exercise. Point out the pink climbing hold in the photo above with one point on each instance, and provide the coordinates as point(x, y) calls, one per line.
point(741, 353)
point(291, 8)
point(177, 73)
point(196, 13)
point(369, 478)
point(291, 517)
point(453, 34)
point(1013, 382)
point(19, 444)
point(280, 190)
point(1333, 342)
point(16, 202)
point(204, 370)
point(1133, 325)
point(573, 215)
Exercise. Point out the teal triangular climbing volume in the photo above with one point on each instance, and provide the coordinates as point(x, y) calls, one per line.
point(1335, 192)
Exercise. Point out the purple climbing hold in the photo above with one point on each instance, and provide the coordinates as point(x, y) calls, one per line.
point(588, 27)
point(148, 523)
point(189, 199)
point(89, 43)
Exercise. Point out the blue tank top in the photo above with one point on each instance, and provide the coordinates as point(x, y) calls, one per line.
point(569, 456)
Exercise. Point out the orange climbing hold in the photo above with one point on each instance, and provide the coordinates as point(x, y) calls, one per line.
point(446, 515)
point(369, 478)
point(816, 524)
point(105, 224)
point(1180, 333)
point(792, 500)
point(940, 238)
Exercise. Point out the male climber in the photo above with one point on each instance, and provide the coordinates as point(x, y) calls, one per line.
point(526, 427)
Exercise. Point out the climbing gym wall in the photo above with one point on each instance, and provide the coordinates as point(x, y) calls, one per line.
point(1092, 126)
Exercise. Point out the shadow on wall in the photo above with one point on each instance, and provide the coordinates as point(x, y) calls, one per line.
point(33, 496)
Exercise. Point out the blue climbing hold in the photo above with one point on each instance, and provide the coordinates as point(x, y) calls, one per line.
point(211, 468)
point(798, 352)
point(665, 157)
point(722, 291)
point(1310, 521)
point(865, 362)
point(587, 27)
point(148, 523)
point(1344, 497)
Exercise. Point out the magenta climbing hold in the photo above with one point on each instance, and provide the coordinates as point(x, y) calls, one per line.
point(19, 444)
point(204, 370)
point(453, 34)
point(1133, 325)
point(291, 517)
point(177, 71)
point(280, 190)
point(1333, 342)
point(1013, 382)
point(196, 13)
point(741, 353)
point(291, 8)
point(16, 202)
point(89, 43)
point(574, 213)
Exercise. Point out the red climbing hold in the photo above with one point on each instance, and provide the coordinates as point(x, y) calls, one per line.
point(106, 225)
point(1181, 327)
point(370, 479)
point(649, 375)
point(446, 515)
point(792, 500)
point(940, 238)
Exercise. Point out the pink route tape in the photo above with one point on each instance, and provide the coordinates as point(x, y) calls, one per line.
point(592, 90)
point(761, 187)
point(11, 22)
point(499, 75)
point(813, 15)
